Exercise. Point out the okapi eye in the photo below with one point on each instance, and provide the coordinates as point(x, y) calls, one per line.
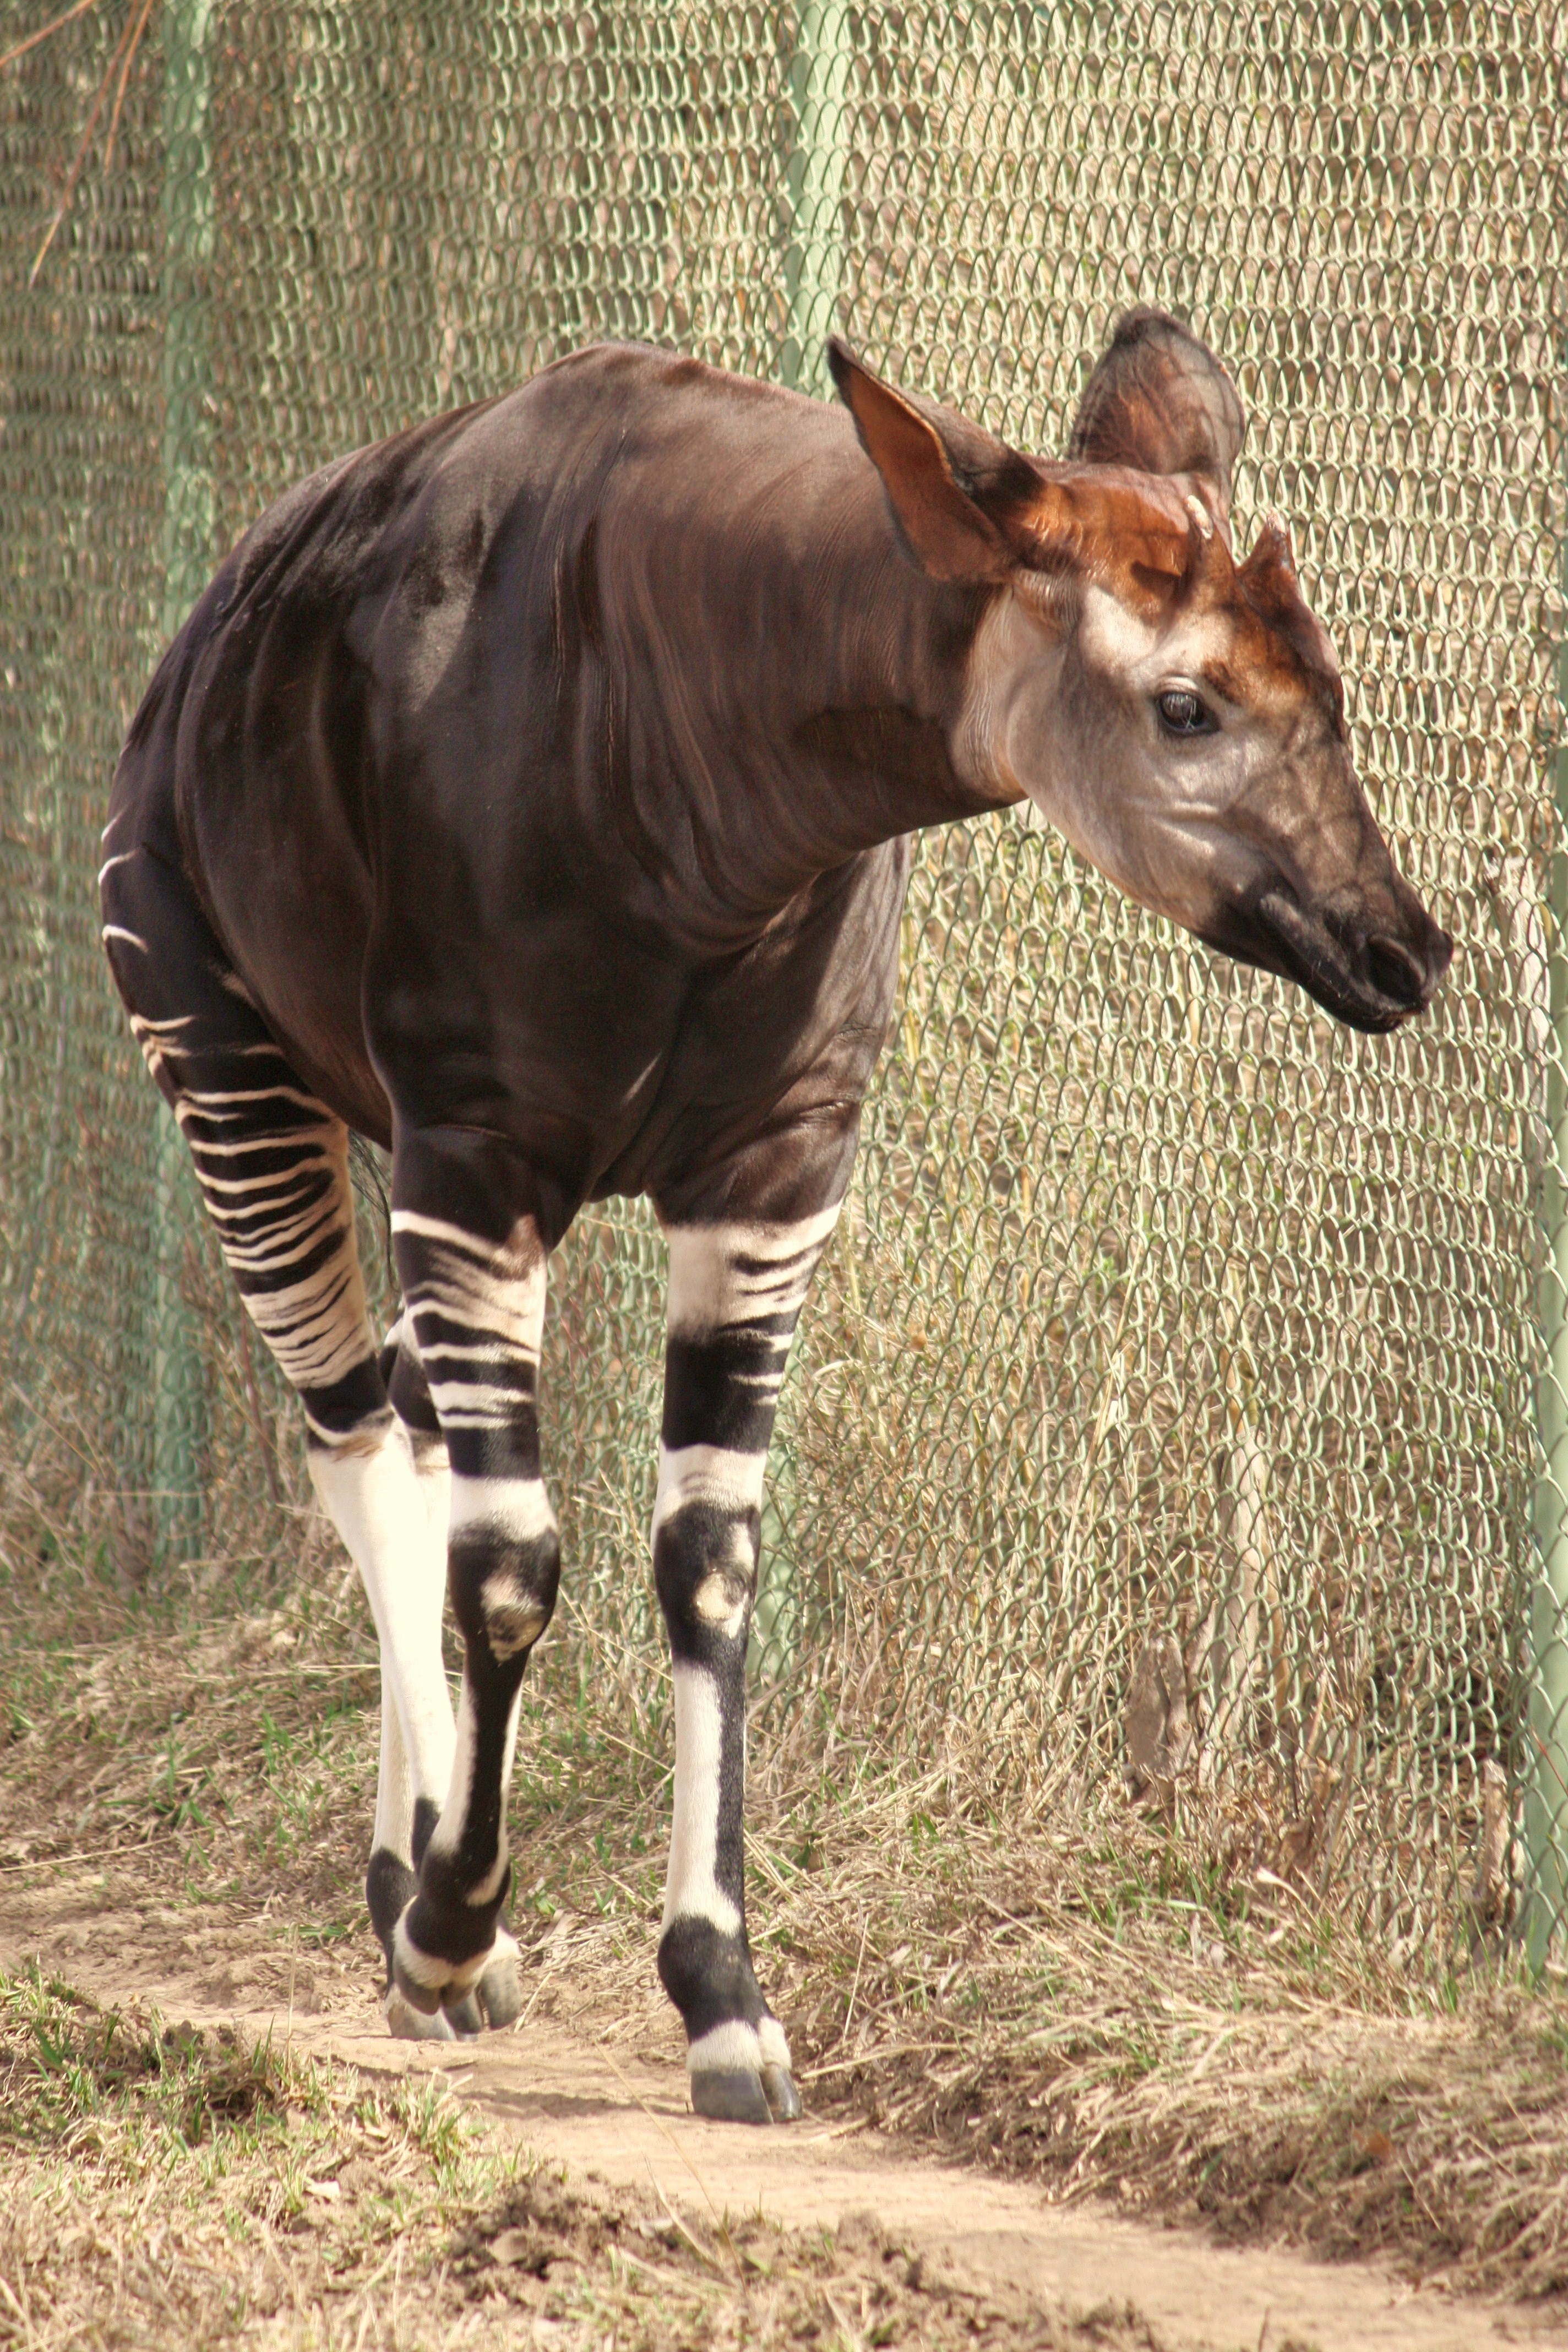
point(1183, 713)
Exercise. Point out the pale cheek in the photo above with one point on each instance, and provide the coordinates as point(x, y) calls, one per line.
point(1157, 836)
point(1073, 800)
point(1071, 771)
point(1058, 726)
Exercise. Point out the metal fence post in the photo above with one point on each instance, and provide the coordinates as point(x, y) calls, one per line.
point(179, 1387)
point(814, 190)
point(813, 270)
point(1546, 1768)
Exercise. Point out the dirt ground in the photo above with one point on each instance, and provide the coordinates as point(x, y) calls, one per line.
point(618, 2128)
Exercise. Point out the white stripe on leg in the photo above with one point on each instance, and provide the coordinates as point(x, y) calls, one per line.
point(729, 1480)
point(446, 1837)
point(382, 1509)
point(393, 1832)
point(728, 1273)
point(692, 1890)
point(737, 2047)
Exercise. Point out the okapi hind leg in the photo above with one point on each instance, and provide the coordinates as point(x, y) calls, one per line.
point(471, 1259)
point(272, 1165)
point(735, 1294)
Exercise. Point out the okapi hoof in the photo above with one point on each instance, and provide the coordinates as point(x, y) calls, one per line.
point(467, 1995)
point(464, 2015)
point(730, 2095)
point(783, 2098)
point(408, 2024)
point(499, 1992)
point(425, 2000)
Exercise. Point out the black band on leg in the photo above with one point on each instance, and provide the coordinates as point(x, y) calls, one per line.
point(409, 1391)
point(352, 1408)
point(708, 1976)
point(389, 1888)
point(723, 1391)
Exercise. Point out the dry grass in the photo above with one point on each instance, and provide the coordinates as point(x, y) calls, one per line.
point(1063, 1996)
point(1105, 1999)
point(1075, 2006)
point(163, 2188)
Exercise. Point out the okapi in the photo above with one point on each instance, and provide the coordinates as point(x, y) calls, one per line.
point(530, 793)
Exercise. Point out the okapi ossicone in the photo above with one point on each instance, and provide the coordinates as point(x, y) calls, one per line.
point(531, 793)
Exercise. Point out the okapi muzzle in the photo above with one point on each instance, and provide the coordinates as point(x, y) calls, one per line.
point(1324, 906)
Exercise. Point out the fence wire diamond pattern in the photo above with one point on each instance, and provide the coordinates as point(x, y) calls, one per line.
point(1173, 1402)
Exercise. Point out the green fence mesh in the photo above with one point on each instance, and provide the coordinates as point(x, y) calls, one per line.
point(1180, 1391)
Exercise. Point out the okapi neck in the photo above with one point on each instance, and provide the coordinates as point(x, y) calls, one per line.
point(839, 740)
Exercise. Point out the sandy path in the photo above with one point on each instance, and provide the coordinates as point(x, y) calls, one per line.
point(611, 2119)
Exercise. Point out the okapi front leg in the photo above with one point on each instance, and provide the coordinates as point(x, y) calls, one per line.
point(475, 1285)
point(735, 1294)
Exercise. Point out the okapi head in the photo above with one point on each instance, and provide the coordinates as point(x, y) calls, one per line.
point(1177, 714)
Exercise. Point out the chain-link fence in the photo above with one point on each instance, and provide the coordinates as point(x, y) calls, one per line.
point(1169, 1403)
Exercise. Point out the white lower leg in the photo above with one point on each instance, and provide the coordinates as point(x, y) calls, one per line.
point(428, 1969)
point(394, 1839)
point(692, 1888)
point(384, 1511)
point(436, 1486)
point(715, 1480)
point(393, 1832)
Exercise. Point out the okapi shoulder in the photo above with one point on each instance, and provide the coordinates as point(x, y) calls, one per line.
point(393, 516)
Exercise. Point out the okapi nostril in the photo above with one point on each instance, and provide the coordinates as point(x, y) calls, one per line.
point(1396, 973)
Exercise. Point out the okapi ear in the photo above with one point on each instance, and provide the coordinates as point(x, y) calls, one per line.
point(1161, 401)
point(954, 489)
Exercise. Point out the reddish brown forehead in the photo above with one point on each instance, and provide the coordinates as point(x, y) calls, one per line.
point(1138, 536)
point(1128, 531)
